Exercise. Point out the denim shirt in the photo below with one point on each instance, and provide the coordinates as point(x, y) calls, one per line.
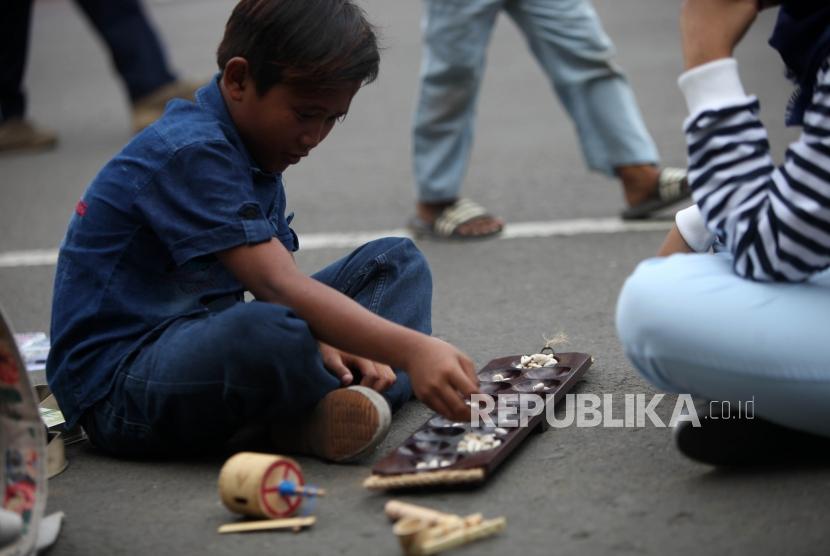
point(139, 252)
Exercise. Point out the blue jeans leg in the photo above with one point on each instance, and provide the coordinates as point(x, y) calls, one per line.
point(568, 41)
point(135, 47)
point(455, 34)
point(202, 378)
point(391, 278)
point(689, 324)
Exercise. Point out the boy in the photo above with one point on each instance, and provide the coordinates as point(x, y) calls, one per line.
point(154, 349)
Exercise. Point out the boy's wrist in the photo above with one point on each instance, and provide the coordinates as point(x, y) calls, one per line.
point(702, 57)
point(414, 349)
point(692, 228)
point(712, 86)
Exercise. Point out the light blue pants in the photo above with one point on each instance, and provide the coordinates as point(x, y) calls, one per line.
point(690, 325)
point(567, 39)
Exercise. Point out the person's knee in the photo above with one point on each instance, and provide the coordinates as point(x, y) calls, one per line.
point(398, 249)
point(405, 255)
point(653, 318)
point(447, 93)
point(629, 316)
point(406, 250)
point(453, 74)
point(262, 336)
point(640, 304)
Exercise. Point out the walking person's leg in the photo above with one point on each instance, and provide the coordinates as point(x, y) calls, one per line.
point(456, 35)
point(568, 41)
point(137, 53)
point(138, 56)
point(15, 131)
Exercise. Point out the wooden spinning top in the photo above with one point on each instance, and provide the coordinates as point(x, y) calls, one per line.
point(263, 485)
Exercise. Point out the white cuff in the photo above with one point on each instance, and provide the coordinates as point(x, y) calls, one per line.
point(712, 86)
point(691, 226)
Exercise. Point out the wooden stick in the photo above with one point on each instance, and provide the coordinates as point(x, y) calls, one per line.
point(312, 491)
point(411, 533)
point(408, 480)
point(396, 510)
point(268, 524)
point(462, 535)
point(423, 530)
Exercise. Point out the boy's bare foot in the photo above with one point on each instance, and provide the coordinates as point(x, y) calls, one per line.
point(478, 224)
point(346, 425)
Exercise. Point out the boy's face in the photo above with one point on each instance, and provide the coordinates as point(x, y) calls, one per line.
point(283, 125)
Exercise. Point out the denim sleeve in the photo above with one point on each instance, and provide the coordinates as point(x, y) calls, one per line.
point(284, 232)
point(202, 202)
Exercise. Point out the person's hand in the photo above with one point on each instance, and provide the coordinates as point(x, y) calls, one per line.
point(711, 29)
point(343, 365)
point(674, 243)
point(442, 377)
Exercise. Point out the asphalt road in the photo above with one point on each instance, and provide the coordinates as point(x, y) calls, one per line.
point(568, 491)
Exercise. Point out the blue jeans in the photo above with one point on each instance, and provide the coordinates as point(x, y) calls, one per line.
point(689, 324)
point(136, 51)
point(567, 39)
point(205, 378)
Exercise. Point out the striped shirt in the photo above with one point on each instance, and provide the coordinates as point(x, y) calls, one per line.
point(774, 220)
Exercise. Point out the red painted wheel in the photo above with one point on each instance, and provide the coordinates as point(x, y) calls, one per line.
point(275, 504)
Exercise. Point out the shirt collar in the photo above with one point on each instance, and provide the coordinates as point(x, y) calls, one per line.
point(210, 98)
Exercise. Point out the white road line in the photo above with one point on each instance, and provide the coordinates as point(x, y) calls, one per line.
point(581, 226)
point(38, 257)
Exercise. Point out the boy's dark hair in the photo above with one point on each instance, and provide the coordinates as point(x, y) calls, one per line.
point(308, 43)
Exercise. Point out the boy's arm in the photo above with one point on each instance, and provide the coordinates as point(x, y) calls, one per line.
point(441, 375)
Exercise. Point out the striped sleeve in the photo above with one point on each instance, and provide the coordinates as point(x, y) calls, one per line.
point(774, 220)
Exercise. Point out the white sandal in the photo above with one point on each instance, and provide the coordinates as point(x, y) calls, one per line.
point(452, 217)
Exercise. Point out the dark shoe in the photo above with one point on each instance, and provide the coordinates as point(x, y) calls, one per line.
point(18, 134)
point(348, 424)
point(149, 108)
point(747, 441)
point(672, 187)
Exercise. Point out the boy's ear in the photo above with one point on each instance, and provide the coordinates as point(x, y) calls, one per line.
point(235, 77)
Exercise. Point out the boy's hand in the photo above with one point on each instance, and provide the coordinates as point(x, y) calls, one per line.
point(343, 365)
point(711, 29)
point(442, 377)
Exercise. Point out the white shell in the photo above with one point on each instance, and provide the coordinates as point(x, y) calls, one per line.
point(536, 361)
